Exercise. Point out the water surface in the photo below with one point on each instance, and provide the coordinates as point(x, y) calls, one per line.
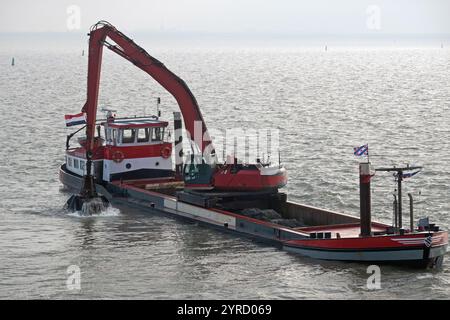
point(324, 103)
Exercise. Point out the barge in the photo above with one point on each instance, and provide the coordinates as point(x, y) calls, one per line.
point(133, 161)
point(325, 234)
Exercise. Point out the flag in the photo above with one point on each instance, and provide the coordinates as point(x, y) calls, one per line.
point(75, 119)
point(410, 174)
point(407, 175)
point(428, 241)
point(361, 151)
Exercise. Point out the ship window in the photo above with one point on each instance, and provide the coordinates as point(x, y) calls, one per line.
point(115, 136)
point(82, 165)
point(75, 163)
point(143, 135)
point(70, 161)
point(128, 135)
point(108, 134)
point(157, 134)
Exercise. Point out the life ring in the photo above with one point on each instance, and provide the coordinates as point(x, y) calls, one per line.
point(118, 156)
point(166, 152)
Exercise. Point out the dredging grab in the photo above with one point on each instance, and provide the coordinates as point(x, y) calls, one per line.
point(128, 161)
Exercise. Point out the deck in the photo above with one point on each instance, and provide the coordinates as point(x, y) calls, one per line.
point(350, 230)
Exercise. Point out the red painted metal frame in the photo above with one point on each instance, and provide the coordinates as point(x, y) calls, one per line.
point(125, 125)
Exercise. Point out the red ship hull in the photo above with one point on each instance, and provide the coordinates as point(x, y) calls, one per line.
point(427, 248)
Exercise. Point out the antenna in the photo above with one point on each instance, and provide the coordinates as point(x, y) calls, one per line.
point(158, 102)
point(399, 173)
point(258, 159)
point(224, 148)
point(279, 158)
point(109, 112)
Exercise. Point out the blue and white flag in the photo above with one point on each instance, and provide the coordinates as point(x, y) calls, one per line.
point(361, 151)
point(408, 174)
point(428, 241)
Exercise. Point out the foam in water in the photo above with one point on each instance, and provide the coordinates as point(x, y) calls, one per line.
point(108, 212)
point(93, 206)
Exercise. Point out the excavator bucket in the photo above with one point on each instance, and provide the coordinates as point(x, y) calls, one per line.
point(87, 206)
point(87, 202)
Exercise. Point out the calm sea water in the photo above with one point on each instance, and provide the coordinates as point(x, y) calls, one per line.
point(324, 103)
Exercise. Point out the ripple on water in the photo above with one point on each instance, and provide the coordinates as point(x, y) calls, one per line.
point(325, 104)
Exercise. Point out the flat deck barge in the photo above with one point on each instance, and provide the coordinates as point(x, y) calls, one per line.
point(322, 234)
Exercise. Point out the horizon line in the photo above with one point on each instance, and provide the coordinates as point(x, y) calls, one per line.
point(258, 34)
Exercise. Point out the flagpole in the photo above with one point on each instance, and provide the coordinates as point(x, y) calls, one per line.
point(368, 158)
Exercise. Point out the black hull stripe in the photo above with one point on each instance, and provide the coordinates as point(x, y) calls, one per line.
point(357, 249)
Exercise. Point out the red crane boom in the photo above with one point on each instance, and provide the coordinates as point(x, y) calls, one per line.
point(204, 175)
point(126, 48)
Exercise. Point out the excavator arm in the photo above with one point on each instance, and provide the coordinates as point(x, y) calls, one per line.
point(204, 175)
point(125, 47)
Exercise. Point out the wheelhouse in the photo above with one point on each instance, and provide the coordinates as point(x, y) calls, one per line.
point(126, 148)
point(138, 132)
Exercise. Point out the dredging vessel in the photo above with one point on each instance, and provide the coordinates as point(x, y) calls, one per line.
point(129, 161)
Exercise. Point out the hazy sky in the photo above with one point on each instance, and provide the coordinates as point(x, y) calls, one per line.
point(229, 16)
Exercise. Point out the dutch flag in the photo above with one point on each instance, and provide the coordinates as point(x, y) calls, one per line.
point(75, 119)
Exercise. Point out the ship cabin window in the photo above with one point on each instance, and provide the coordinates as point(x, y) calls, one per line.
point(70, 161)
point(82, 165)
point(143, 135)
point(115, 135)
point(137, 135)
point(108, 135)
point(128, 135)
point(111, 135)
point(75, 163)
point(157, 134)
